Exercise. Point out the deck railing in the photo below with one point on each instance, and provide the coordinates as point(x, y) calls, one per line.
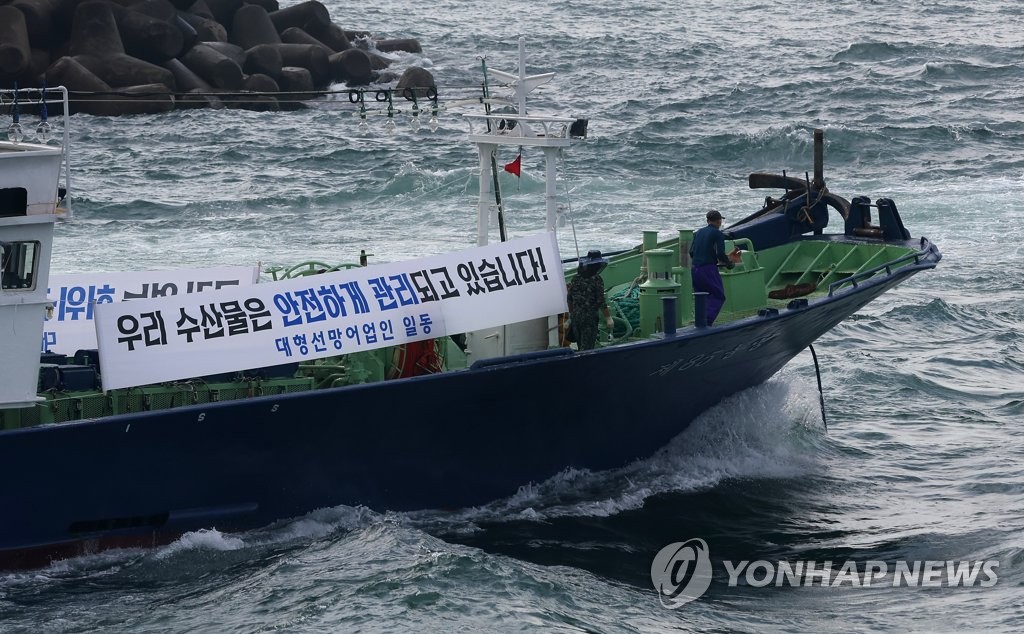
point(887, 267)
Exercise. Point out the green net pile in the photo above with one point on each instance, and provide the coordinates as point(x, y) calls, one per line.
point(624, 302)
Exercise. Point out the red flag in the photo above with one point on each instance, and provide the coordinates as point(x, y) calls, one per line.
point(513, 167)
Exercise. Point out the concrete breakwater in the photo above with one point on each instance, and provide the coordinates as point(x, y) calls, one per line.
point(141, 56)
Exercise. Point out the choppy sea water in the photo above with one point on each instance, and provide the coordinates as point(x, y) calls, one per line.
point(923, 459)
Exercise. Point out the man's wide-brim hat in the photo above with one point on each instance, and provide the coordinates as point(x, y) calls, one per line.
point(593, 257)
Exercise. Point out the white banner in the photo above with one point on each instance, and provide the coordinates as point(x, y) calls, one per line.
point(74, 295)
point(150, 341)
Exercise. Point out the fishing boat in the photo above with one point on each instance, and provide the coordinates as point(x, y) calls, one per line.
point(158, 431)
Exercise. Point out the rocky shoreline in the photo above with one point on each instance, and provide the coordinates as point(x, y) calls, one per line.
point(129, 56)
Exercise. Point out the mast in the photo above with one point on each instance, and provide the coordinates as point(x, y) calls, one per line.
point(494, 161)
point(549, 133)
point(517, 129)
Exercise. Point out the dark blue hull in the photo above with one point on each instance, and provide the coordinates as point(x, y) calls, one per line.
point(441, 441)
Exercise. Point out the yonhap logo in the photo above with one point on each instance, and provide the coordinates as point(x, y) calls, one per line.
point(681, 572)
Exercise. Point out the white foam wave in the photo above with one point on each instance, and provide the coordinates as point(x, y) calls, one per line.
point(315, 525)
point(203, 539)
point(320, 523)
point(769, 431)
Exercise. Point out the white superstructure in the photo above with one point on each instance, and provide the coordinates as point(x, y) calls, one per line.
point(29, 177)
point(519, 129)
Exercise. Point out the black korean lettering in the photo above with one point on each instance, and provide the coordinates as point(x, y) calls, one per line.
point(424, 286)
point(140, 294)
point(258, 311)
point(468, 274)
point(212, 321)
point(164, 290)
point(448, 289)
point(187, 325)
point(489, 274)
point(514, 280)
point(235, 317)
point(128, 326)
point(153, 328)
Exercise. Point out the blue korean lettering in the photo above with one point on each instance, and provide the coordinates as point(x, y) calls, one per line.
point(310, 305)
point(300, 341)
point(403, 289)
point(395, 290)
point(78, 301)
point(383, 293)
point(410, 326)
point(288, 306)
point(333, 302)
point(319, 343)
point(355, 294)
point(102, 295)
point(336, 336)
point(72, 303)
point(425, 323)
point(49, 341)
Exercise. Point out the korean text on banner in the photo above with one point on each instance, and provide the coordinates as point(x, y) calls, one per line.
point(149, 341)
point(75, 295)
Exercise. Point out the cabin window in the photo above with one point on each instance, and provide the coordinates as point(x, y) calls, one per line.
point(13, 202)
point(20, 261)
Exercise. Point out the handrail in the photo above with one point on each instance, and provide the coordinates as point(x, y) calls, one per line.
point(311, 267)
point(526, 118)
point(65, 142)
point(521, 129)
point(736, 242)
point(852, 279)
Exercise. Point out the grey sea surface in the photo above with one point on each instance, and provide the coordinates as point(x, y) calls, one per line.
point(923, 460)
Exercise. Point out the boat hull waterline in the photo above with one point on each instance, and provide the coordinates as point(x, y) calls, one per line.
point(449, 440)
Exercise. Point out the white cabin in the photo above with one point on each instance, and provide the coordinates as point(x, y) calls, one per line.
point(29, 178)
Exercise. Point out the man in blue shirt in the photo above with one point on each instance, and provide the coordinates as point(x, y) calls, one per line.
point(706, 252)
